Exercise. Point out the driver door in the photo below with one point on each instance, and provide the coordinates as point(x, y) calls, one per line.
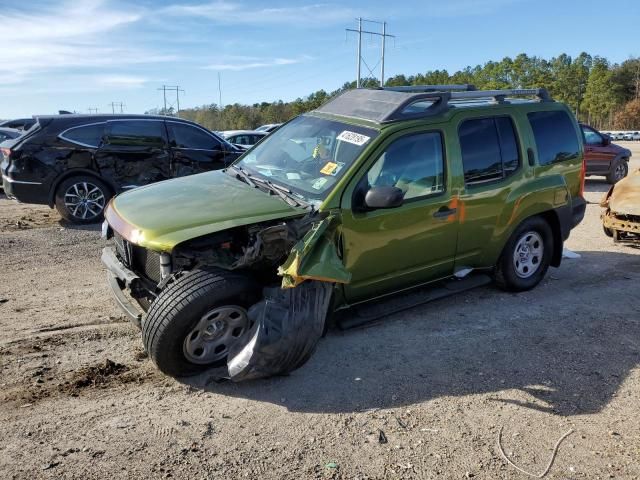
point(391, 249)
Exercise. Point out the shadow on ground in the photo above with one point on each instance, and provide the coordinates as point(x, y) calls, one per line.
point(568, 344)
point(596, 185)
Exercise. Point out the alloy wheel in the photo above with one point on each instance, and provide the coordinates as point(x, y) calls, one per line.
point(84, 200)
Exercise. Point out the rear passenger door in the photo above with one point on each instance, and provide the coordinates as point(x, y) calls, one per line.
point(193, 149)
point(134, 152)
point(492, 165)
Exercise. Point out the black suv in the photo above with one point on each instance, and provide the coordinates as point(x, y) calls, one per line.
point(78, 162)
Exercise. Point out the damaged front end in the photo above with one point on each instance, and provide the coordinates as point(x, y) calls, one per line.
point(290, 319)
point(296, 262)
point(621, 217)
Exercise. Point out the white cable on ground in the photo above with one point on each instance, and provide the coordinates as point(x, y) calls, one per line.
point(553, 456)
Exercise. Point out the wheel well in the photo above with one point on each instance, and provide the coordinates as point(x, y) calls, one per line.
point(76, 173)
point(552, 219)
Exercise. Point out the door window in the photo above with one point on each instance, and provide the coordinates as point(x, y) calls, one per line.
point(137, 133)
point(187, 136)
point(555, 136)
point(591, 137)
point(86, 135)
point(489, 149)
point(414, 163)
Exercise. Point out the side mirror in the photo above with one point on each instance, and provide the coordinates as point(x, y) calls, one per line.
point(383, 197)
point(606, 140)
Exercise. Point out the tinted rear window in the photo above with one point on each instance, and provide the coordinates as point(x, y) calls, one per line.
point(85, 135)
point(137, 133)
point(187, 136)
point(489, 149)
point(556, 138)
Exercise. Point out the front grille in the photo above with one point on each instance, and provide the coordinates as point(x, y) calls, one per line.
point(123, 249)
point(146, 262)
point(143, 262)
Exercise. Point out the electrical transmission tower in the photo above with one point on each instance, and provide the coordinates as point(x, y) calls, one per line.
point(93, 109)
point(171, 88)
point(117, 104)
point(383, 35)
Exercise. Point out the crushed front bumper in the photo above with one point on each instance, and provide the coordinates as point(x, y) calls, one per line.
point(625, 228)
point(120, 278)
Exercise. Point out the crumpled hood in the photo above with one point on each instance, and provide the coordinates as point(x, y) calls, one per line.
point(164, 214)
point(625, 197)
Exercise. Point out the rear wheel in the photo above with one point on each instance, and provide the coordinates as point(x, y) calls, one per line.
point(194, 322)
point(82, 199)
point(619, 170)
point(526, 256)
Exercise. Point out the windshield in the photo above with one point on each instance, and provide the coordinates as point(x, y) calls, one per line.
point(308, 155)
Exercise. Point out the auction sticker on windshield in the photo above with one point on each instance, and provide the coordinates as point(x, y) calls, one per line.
point(353, 137)
point(329, 168)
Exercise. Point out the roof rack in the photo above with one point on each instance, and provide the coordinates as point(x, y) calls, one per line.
point(467, 87)
point(384, 105)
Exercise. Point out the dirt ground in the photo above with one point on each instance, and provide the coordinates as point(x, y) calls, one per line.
point(422, 394)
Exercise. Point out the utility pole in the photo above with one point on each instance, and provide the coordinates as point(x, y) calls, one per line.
point(171, 88)
point(93, 109)
point(219, 91)
point(361, 60)
point(117, 104)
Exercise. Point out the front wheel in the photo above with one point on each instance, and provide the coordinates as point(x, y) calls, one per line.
point(194, 322)
point(526, 256)
point(82, 199)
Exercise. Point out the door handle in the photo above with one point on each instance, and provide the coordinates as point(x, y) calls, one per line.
point(444, 212)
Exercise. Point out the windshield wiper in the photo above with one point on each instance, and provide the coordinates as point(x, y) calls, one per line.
point(284, 193)
point(240, 173)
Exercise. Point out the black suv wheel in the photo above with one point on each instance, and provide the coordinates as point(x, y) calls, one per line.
point(82, 199)
point(526, 256)
point(193, 323)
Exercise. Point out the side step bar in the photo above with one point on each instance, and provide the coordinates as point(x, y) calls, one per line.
point(366, 313)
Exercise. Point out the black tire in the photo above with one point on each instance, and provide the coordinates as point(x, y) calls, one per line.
point(607, 231)
point(619, 170)
point(508, 274)
point(93, 191)
point(179, 308)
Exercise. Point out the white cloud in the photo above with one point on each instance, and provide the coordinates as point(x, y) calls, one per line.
point(120, 81)
point(67, 36)
point(246, 63)
point(227, 12)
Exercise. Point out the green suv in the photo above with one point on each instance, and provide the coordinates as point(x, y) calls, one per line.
point(377, 192)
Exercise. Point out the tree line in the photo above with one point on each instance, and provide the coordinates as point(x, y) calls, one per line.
point(603, 94)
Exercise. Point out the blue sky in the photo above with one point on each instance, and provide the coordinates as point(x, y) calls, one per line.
point(87, 53)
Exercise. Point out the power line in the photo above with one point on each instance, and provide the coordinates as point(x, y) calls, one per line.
point(360, 59)
point(117, 104)
point(171, 88)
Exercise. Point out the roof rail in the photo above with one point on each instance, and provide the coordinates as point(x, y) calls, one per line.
point(384, 105)
point(500, 95)
point(466, 87)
